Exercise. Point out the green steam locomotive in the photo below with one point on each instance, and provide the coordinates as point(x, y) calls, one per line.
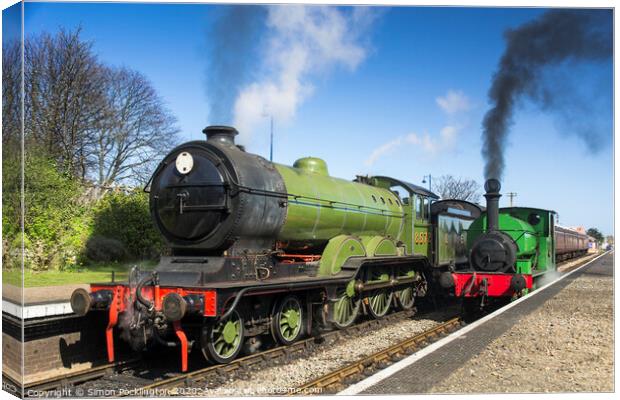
point(262, 251)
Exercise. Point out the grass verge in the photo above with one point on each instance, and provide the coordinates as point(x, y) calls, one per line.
point(90, 274)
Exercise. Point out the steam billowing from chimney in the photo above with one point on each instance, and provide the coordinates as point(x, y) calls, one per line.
point(555, 37)
point(265, 58)
point(234, 35)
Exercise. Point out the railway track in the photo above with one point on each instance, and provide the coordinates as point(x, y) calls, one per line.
point(206, 377)
point(212, 376)
point(216, 374)
point(60, 382)
point(349, 374)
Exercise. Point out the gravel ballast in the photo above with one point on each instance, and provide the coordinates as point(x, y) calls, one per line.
point(281, 379)
point(566, 345)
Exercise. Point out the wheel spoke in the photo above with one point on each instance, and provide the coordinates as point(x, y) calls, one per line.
point(219, 346)
point(347, 310)
point(341, 310)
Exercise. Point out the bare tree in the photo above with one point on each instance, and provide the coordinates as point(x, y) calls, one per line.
point(11, 98)
point(450, 187)
point(136, 131)
point(100, 123)
point(64, 97)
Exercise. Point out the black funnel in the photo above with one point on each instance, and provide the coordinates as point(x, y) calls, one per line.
point(492, 188)
point(221, 134)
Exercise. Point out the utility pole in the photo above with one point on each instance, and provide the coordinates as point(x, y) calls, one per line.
point(271, 144)
point(511, 195)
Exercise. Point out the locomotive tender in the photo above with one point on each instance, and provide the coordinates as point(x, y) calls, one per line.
point(259, 248)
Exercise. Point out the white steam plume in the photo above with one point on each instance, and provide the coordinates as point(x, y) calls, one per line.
point(430, 145)
point(453, 102)
point(303, 42)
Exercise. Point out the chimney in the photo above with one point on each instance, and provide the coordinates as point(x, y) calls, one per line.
point(224, 135)
point(492, 188)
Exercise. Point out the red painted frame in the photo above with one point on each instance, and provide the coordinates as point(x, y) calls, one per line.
point(122, 295)
point(498, 285)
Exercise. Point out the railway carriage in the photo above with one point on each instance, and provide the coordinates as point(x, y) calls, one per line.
point(570, 243)
point(261, 251)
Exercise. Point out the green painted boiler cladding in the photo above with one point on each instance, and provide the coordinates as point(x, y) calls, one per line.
point(343, 219)
point(321, 207)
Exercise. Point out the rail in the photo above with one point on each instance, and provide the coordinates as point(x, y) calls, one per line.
point(72, 378)
point(343, 376)
point(262, 359)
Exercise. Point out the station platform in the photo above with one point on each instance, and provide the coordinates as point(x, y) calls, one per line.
point(38, 302)
point(43, 337)
point(558, 339)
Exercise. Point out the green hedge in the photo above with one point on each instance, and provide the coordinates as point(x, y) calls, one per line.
point(64, 227)
point(124, 218)
point(56, 223)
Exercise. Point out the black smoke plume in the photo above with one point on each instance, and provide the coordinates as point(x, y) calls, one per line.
point(235, 38)
point(554, 38)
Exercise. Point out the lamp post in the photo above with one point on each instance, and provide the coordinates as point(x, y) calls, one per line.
point(267, 113)
point(430, 181)
point(271, 140)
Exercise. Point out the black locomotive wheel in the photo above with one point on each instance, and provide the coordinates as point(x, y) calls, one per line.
point(222, 341)
point(287, 322)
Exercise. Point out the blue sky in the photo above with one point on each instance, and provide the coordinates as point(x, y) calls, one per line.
point(386, 102)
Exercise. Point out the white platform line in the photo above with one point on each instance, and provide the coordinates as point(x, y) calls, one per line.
point(404, 363)
point(36, 311)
